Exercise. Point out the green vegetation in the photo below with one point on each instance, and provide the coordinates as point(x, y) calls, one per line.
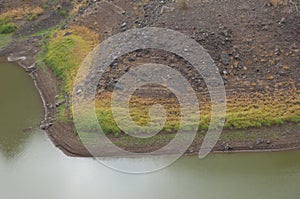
point(63, 51)
point(7, 28)
point(66, 50)
point(242, 112)
point(7, 19)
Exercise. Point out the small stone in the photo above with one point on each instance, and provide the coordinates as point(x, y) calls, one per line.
point(277, 51)
point(166, 9)
point(225, 58)
point(259, 141)
point(59, 103)
point(67, 34)
point(190, 150)
point(228, 147)
point(131, 59)
point(79, 91)
point(281, 21)
point(124, 25)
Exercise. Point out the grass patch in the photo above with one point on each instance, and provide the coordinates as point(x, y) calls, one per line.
point(7, 28)
point(63, 51)
point(8, 18)
point(242, 112)
point(19, 14)
point(66, 50)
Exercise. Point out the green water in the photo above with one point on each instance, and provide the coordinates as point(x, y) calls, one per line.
point(20, 109)
point(32, 168)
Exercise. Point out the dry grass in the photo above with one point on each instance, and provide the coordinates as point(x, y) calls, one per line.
point(243, 111)
point(21, 13)
point(76, 5)
point(277, 3)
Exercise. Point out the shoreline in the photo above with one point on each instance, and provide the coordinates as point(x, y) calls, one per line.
point(63, 138)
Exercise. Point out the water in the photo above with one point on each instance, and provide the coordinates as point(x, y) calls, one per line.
point(32, 168)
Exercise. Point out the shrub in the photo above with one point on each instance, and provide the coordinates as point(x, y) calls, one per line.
point(8, 28)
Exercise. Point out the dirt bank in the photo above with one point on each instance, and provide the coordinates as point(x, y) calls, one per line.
point(255, 46)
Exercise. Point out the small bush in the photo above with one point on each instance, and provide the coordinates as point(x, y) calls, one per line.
point(8, 28)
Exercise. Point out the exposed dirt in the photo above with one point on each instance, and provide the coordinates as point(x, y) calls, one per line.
point(255, 45)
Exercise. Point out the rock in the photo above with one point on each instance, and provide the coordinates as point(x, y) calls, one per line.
point(225, 58)
point(237, 56)
point(281, 21)
point(277, 51)
point(259, 141)
point(67, 34)
point(131, 59)
point(228, 147)
point(271, 77)
point(282, 73)
point(45, 126)
point(268, 142)
point(124, 25)
point(31, 68)
point(166, 9)
point(59, 103)
point(79, 91)
point(119, 86)
point(191, 151)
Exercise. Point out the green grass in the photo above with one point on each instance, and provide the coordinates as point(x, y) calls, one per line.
point(7, 28)
point(242, 114)
point(64, 54)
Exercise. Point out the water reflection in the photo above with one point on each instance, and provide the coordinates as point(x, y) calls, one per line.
point(20, 109)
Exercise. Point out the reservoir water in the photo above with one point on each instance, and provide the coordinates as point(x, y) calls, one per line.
point(32, 168)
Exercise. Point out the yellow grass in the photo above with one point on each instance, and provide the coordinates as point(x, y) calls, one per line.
point(65, 53)
point(20, 13)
